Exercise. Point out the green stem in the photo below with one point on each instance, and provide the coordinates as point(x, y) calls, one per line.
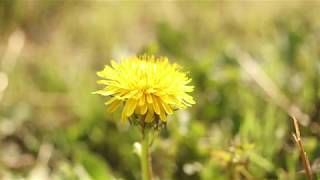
point(145, 158)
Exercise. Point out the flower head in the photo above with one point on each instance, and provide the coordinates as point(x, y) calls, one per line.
point(148, 87)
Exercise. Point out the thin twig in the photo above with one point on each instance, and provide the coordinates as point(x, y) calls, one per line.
point(303, 154)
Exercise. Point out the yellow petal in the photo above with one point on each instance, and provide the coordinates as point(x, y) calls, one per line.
point(155, 104)
point(123, 116)
point(169, 99)
point(131, 94)
point(111, 100)
point(188, 99)
point(149, 98)
point(188, 88)
point(114, 106)
point(167, 108)
point(104, 92)
point(114, 64)
point(131, 105)
point(104, 82)
point(148, 85)
point(137, 110)
point(143, 109)
point(150, 116)
point(142, 100)
point(163, 115)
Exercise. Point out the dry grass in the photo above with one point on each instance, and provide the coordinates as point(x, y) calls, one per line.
point(303, 154)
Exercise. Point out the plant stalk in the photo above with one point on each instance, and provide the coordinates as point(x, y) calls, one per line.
point(145, 157)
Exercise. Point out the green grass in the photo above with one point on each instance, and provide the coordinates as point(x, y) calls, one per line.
point(48, 99)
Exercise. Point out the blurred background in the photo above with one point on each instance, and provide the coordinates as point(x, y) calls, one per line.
point(252, 63)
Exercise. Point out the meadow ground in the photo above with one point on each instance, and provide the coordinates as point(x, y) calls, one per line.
point(253, 64)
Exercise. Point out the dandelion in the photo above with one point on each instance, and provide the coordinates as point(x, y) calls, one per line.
point(148, 89)
point(147, 86)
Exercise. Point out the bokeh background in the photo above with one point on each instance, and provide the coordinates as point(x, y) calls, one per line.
point(253, 64)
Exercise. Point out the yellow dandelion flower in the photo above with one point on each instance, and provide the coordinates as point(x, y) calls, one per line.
point(147, 86)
